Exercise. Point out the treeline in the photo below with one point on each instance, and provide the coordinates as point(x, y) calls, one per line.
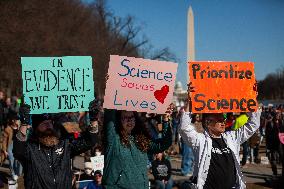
point(66, 28)
point(272, 87)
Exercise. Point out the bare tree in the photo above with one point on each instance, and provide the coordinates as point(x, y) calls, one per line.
point(66, 28)
point(272, 87)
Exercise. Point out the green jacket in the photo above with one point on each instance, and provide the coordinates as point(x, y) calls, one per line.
point(127, 167)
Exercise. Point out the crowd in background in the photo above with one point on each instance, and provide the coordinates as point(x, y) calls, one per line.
point(272, 123)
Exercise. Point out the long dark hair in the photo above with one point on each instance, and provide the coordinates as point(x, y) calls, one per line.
point(11, 118)
point(140, 132)
point(193, 117)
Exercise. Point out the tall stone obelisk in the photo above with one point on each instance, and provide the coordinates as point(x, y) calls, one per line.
point(190, 38)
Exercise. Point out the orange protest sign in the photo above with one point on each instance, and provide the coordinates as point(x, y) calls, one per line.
point(223, 87)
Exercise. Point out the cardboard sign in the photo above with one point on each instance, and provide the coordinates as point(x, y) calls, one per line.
point(57, 84)
point(223, 87)
point(98, 163)
point(141, 85)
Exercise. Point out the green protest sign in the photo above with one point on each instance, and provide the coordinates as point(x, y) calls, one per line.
point(57, 84)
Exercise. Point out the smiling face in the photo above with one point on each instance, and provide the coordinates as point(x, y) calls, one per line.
point(216, 124)
point(127, 121)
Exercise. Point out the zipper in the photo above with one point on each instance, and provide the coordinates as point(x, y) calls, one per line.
point(120, 174)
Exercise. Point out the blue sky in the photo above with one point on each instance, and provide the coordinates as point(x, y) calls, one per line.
point(229, 30)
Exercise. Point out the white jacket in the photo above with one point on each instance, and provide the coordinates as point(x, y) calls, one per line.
point(202, 145)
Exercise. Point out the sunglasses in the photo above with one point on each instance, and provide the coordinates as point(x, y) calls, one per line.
point(218, 120)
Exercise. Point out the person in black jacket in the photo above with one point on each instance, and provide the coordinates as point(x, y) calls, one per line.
point(273, 126)
point(161, 168)
point(45, 156)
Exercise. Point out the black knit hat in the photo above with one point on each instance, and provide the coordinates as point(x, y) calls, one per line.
point(99, 172)
point(39, 118)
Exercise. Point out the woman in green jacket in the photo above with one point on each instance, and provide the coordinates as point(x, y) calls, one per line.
point(127, 144)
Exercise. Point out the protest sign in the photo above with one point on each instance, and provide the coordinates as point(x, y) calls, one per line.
point(57, 84)
point(223, 87)
point(141, 85)
point(98, 163)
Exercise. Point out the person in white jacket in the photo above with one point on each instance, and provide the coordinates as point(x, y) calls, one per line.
point(216, 152)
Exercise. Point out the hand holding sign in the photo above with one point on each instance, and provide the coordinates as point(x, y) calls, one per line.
point(255, 88)
point(188, 104)
point(168, 113)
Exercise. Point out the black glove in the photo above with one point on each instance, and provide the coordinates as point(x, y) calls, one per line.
point(95, 108)
point(25, 116)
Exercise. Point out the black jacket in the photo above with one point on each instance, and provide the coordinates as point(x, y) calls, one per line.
point(271, 133)
point(50, 168)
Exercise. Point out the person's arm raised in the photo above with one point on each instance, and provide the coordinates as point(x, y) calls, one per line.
point(162, 144)
point(20, 141)
point(249, 128)
point(90, 137)
point(109, 123)
point(253, 123)
point(186, 128)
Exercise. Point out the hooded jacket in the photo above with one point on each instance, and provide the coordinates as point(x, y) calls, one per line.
point(202, 145)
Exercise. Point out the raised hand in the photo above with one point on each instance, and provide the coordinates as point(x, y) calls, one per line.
point(95, 108)
point(168, 113)
point(24, 112)
point(190, 89)
point(255, 88)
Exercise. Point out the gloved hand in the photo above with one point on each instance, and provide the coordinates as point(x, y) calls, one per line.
point(95, 108)
point(25, 116)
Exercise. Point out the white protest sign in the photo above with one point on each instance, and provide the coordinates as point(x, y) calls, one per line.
point(98, 162)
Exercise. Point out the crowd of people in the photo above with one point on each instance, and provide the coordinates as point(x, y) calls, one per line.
point(135, 144)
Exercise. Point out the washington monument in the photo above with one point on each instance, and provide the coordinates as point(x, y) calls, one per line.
point(190, 38)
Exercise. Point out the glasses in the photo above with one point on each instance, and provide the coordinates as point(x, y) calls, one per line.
point(218, 120)
point(128, 119)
